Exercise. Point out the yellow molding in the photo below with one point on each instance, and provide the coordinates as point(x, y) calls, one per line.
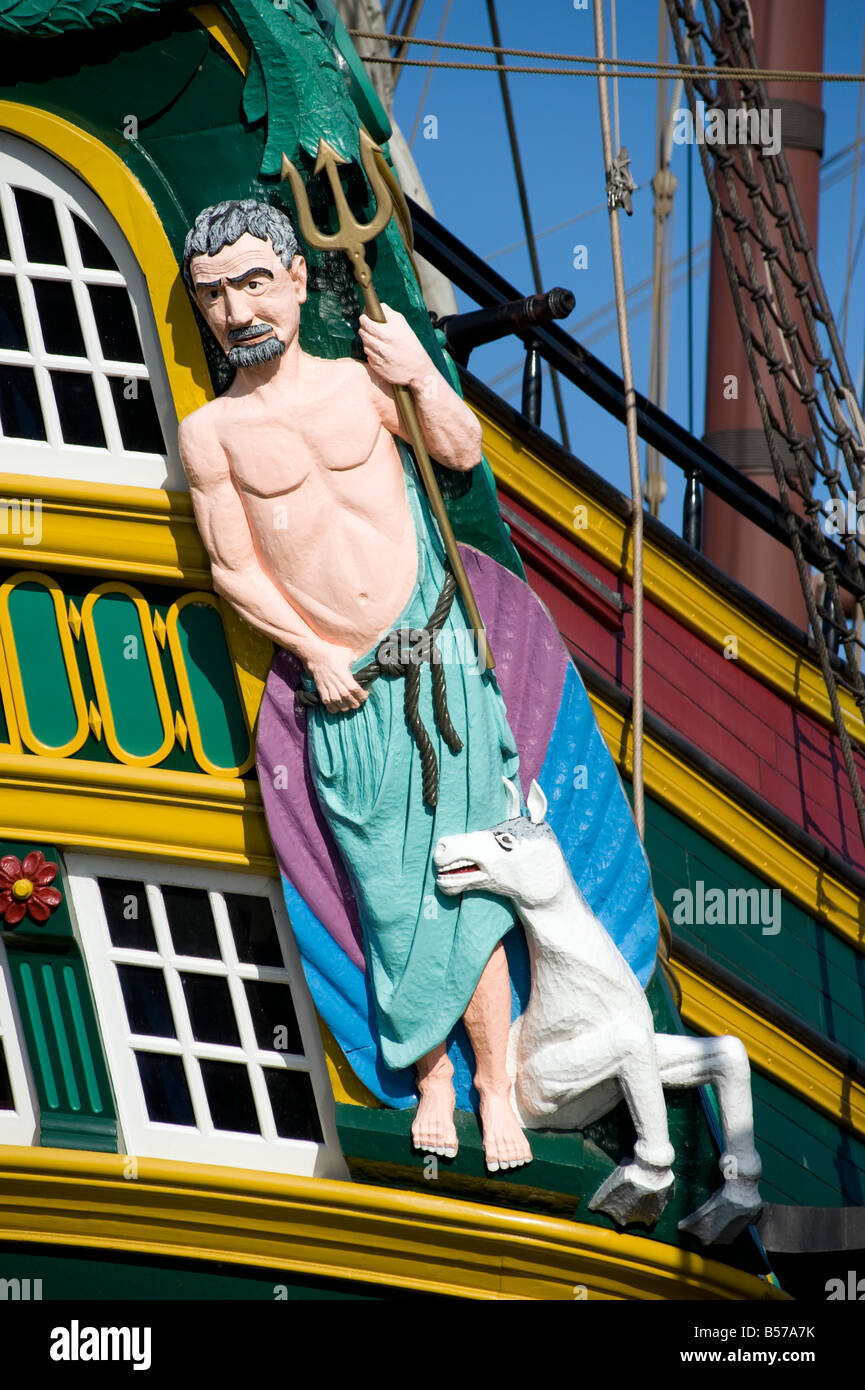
point(711, 1010)
point(215, 23)
point(134, 212)
point(123, 532)
point(338, 1230)
point(13, 669)
point(671, 584)
point(106, 807)
point(181, 675)
point(737, 830)
point(154, 671)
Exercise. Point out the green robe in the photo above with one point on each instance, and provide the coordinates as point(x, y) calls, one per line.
point(425, 952)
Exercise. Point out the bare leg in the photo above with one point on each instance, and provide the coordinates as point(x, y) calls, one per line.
point(433, 1127)
point(488, 1022)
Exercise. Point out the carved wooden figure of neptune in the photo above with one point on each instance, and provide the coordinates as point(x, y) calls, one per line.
point(321, 538)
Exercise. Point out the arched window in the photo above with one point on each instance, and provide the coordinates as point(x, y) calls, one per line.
point(83, 389)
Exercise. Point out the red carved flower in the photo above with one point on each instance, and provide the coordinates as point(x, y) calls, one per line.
point(24, 888)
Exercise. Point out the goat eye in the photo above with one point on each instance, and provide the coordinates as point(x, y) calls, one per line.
point(506, 841)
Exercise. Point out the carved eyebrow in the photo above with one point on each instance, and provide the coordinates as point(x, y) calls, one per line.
point(234, 279)
point(256, 270)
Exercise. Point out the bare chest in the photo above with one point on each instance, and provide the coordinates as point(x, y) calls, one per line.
point(277, 447)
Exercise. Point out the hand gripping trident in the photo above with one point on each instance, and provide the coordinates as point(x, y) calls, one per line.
point(350, 238)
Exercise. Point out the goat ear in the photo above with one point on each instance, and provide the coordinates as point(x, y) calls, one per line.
point(513, 799)
point(536, 803)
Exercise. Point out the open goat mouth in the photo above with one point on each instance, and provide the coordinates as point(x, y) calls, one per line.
point(459, 866)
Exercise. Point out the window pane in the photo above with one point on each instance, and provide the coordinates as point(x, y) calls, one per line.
point(94, 252)
point(4, 241)
point(211, 1013)
point(12, 331)
point(254, 930)
point(190, 920)
point(166, 1093)
point(229, 1096)
point(293, 1102)
point(80, 421)
point(115, 323)
point(136, 415)
point(39, 227)
point(20, 411)
point(6, 1101)
point(128, 913)
point(58, 316)
point(146, 998)
point(273, 1017)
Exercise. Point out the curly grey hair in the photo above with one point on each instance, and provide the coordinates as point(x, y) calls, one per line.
point(225, 223)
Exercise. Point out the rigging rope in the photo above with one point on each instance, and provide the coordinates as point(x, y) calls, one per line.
point(853, 210)
point(423, 94)
point(618, 195)
point(643, 68)
point(526, 212)
point(782, 351)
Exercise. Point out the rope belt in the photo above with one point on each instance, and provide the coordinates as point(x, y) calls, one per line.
point(402, 653)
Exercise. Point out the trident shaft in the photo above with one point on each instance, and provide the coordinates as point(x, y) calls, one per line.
point(351, 238)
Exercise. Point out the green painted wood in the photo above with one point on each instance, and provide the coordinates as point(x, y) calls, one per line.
point(214, 690)
point(61, 1035)
point(806, 967)
point(807, 1159)
point(47, 693)
point(130, 686)
point(120, 640)
point(62, 1041)
point(67, 1273)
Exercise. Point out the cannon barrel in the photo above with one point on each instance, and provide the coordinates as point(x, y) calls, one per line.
point(464, 332)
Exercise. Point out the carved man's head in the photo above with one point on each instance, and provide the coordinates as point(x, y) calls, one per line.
point(243, 267)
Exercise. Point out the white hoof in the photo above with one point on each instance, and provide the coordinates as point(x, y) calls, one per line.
point(728, 1212)
point(634, 1193)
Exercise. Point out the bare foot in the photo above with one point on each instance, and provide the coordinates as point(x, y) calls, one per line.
point(433, 1127)
point(505, 1145)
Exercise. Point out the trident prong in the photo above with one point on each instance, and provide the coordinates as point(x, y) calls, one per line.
point(351, 238)
point(352, 234)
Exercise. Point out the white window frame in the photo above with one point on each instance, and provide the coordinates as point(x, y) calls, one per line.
point(142, 1136)
point(28, 166)
point(18, 1126)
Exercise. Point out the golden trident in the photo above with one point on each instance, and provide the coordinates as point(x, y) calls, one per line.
point(350, 238)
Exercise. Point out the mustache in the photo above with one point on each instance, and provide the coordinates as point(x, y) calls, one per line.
point(253, 330)
point(255, 354)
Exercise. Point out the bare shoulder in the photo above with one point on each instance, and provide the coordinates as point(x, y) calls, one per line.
point(200, 443)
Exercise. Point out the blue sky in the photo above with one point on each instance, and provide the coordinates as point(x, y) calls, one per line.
point(469, 177)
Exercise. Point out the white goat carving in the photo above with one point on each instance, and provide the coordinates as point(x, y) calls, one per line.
point(587, 1036)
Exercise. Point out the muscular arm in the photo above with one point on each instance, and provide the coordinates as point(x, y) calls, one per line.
point(238, 576)
point(394, 354)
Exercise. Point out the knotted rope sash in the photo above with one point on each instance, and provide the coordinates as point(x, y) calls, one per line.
point(402, 653)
